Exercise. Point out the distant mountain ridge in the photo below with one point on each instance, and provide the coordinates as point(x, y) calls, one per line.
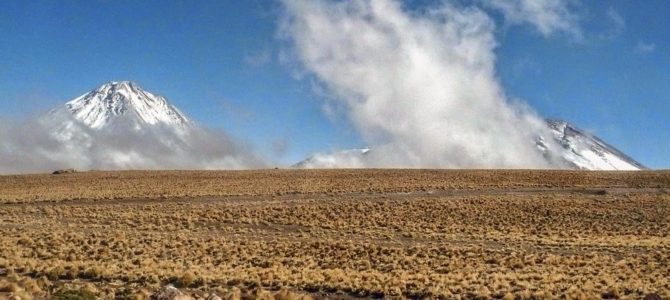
point(579, 150)
point(123, 116)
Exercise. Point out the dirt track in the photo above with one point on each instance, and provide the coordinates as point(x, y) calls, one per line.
point(352, 233)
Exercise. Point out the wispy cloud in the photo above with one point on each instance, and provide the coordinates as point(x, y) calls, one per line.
point(612, 27)
point(258, 59)
point(619, 23)
point(547, 16)
point(644, 47)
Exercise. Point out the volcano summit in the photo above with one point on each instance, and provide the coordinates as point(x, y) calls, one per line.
point(98, 108)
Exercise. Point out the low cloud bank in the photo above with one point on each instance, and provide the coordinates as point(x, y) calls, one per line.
point(59, 142)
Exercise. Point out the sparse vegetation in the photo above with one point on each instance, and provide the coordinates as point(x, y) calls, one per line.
point(73, 295)
point(367, 233)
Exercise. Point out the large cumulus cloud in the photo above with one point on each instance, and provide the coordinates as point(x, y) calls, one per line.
point(419, 85)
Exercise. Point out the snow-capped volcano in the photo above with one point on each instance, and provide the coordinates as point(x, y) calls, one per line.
point(119, 125)
point(577, 150)
point(100, 107)
point(116, 109)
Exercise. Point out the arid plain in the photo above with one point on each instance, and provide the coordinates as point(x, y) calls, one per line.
point(290, 234)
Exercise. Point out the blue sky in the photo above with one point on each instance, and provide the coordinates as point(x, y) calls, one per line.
point(219, 61)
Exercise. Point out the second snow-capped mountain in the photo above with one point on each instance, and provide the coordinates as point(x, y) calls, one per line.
point(584, 151)
point(576, 149)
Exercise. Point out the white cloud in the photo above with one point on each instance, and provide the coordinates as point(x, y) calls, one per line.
point(547, 16)
point(615, 24)
point(419, 86)
point(617, 19)
point(259, 58)
point(645, 48)
point(59, 141)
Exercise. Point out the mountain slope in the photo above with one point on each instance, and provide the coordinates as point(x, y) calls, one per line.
point(578, 150)
point(585, 151)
